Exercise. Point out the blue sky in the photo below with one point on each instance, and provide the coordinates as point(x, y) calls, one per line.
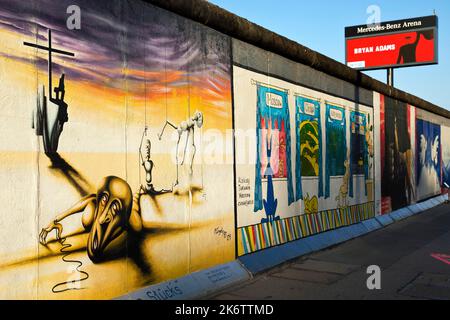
point(320, 24)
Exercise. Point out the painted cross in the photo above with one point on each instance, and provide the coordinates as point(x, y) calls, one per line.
point(50, 51)
point(49, 116)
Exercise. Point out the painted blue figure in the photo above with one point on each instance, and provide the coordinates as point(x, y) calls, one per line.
point(270, 204)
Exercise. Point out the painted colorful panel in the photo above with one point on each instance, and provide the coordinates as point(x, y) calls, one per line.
point(397, 179)
point(359, 147)
point(273, 147)
point(309, 143)
point(263, 236)
point(428, 159)
point(337, 154)
point(445, 135)
point(105, 124)
point(321, 161)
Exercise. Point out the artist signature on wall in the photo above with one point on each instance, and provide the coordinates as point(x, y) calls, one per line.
point(225, 234)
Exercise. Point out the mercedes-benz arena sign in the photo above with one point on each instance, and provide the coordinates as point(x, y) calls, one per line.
point(393, 44)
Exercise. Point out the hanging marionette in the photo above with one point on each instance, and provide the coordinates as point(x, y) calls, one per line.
point(187, 126)
point(148, 165)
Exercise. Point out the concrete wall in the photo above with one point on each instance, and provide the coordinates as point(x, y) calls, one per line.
point(150, 159)
point(135, 67)
point(332, 184)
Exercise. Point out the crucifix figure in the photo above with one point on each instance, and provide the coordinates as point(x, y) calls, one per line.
point(187, 126)
point(49, 117)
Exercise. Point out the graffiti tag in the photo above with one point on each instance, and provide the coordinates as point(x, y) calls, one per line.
point(225, 234)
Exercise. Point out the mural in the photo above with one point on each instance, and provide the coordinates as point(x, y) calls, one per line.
point(309, 146)
point(359, 153)
point(118, 168)
point(110, 156)
point(397, 174)
point(337, 157)
point(330, 150)
point(273, 146)
point(428, 159)
point(445, 136)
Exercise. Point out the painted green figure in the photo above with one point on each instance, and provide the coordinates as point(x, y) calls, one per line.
point(309, 149)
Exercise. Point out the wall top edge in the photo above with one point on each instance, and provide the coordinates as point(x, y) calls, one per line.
point(239, 28)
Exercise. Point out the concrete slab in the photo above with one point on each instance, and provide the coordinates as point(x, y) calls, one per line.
point(357, 230)
point(385, 220)
point(372, 224)
point(318, 241)
point(182, 288)
point(296, 249)
point(396, 216)
point(435, 201)
point(421, 207)
point(264, 259)
point(307, 275)
point(194, 285)
point(400, 214)
point(441, 198)
point(404, 212)
point(220, 277)
point(341, 235)
point(252, 263)
point(414, 208)
point(429, 286)
point(427, 205)
point(325, 266)
point(273, 288)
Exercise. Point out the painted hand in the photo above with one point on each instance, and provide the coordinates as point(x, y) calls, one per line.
point(45, 231)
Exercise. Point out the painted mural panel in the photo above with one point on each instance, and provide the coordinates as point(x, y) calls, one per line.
point(320, 151)
point(445, 136)
point(397, 174)
point(117, 156)
point(337, 152)
point(309, 150)
point(428, 159)
point(273, 148)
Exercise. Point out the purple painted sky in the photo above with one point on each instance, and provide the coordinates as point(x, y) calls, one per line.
point(120, 34)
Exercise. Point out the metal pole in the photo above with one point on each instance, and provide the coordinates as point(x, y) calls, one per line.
point(390, 77)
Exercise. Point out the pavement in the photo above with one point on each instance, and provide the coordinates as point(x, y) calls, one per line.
point(413, 256)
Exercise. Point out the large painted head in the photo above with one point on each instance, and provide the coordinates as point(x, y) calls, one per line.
point(112, 213)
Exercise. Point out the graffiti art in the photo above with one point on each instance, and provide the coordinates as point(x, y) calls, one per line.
point(273, 125)
point(309, 143)
point(445, 136)
point(397, 181)
point(333, 141)
point(99, 95)
point(428, 159)
point(337, 153)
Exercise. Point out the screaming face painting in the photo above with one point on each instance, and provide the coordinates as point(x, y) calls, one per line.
point(107, 215)
point(120, 201)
